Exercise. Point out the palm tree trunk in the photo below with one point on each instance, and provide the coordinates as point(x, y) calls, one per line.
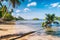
point(2, 19)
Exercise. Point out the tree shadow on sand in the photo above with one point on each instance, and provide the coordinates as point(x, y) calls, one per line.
point(20, 35)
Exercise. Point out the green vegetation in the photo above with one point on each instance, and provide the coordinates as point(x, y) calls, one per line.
point(57, 18)
point(50, 18)
point(35, 18)
point(8, 17)
point(5, 14)
point(0, 14)
point(14, 3)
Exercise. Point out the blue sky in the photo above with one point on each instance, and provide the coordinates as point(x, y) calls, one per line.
point(37, 8)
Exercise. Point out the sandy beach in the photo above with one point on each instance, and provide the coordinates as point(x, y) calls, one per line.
point(12, 29)
point(41, 37)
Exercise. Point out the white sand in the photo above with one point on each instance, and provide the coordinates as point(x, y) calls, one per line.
point(41, 37)
point(12, 29)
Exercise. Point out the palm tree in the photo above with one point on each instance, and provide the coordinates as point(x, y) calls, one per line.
point(49, 19)
point(4, 8)
point(13, 2)
point(3, 11)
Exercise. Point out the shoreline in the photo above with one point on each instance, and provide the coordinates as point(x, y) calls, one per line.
point(15, 29)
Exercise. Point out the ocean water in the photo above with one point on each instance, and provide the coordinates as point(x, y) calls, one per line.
point(37, 25)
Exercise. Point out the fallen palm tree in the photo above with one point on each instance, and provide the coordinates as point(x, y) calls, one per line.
point(20, 35)
point(23, 35)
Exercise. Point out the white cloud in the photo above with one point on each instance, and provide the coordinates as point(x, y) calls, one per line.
point(26, 9)
point(54, 4)
point(32, 4)
point(17, 11)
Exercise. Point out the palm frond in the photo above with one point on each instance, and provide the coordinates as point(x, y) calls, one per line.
point(13, 2)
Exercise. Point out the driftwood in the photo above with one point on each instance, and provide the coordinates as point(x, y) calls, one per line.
point(12, 35)
point(23, 35)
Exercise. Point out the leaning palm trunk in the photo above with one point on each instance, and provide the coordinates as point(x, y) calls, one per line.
point(4, 15)
point(2, 19)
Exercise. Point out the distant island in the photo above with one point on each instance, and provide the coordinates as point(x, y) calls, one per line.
point(35, 18)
